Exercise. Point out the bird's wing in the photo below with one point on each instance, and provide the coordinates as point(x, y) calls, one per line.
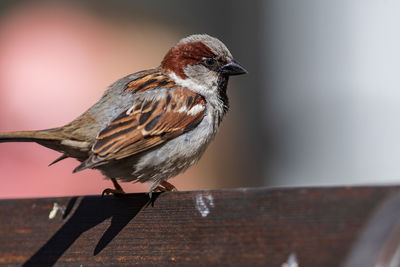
point(149, 122)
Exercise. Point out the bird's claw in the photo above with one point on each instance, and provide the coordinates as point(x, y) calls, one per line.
point(164, 186)
point(115, 192)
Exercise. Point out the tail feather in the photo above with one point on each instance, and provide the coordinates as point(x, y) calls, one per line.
point(60, 158)
point(30, 136)
point(91, 162)
point(54, 139)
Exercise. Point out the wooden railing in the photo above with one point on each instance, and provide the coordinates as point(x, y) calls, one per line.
point(355, 226)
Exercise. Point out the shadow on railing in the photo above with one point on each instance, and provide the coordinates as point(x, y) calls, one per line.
point(91, 211)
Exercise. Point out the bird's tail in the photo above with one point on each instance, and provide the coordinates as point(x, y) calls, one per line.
point(31, 136)
point(54, 139)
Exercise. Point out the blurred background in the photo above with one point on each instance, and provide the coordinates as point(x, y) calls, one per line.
point(319, 106)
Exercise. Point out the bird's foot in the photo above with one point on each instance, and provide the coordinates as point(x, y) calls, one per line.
point(116, 192)
point(168, 186)
point(164, 186)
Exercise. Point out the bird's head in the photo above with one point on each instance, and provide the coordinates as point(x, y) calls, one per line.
point(201, 63)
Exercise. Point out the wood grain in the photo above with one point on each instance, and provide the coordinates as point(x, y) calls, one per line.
point(258, 227)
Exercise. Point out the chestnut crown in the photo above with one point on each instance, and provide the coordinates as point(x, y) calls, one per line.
point(205, 53)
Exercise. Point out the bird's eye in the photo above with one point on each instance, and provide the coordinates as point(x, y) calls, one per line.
point(209, 61)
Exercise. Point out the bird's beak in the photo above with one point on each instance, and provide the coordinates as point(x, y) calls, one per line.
point(232, 68)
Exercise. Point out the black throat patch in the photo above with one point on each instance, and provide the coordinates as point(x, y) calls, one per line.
point(222, 86)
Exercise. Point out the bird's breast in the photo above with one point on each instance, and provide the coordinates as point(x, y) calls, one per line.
point(178, 154)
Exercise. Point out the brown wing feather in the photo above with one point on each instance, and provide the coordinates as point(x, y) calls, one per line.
point(149, 79)
point(147, 124)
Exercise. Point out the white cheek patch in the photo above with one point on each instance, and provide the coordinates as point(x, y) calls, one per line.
point(192, 85)
point(196, 109)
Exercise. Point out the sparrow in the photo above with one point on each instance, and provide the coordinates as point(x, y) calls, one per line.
point(151, 125)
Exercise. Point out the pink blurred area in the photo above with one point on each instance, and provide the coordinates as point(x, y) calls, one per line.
point(56, 61)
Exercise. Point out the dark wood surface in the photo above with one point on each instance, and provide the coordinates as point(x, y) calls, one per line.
point(242, 227)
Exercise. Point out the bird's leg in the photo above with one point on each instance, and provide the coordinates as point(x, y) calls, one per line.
point(116, 191)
